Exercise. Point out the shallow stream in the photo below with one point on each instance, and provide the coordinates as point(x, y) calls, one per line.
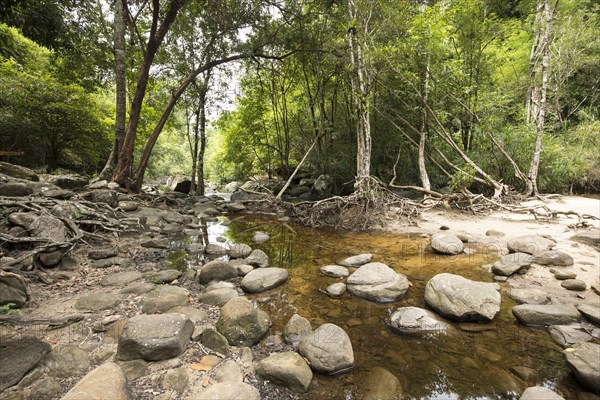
point(474, 362)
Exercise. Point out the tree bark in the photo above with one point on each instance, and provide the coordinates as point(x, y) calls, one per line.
point(537, 100)
point(200, 189)
point(120, 89)
point(360, 84)
point(423, 131)
point(157, 34)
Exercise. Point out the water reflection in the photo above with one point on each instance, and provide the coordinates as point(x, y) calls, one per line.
point(472, 361)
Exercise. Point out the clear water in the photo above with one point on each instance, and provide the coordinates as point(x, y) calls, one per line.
point(473, 362)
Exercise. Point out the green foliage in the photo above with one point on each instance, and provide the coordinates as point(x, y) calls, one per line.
point(8, 309)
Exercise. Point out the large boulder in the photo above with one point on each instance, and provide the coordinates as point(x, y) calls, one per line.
point(69, 181)
point(121, 278)
point(328, 349)
point(97, 301)
point(242, 323)
point(183, 186)
point(416, 320)
point(19, 356)
point(48, 227)
point(546, 314)
point(461, 299)
point(530, 244)
point(322, 186)
point(67, 360)
point(592, 313)
point(108, 197)
point(447, 243)
point(106, 382)
point(218, 296)
point(378, 282)
point(286, 369)
point(217, 271)
point(155, 337)
point(335, 271)
point(240, 250)
point(583, 360)
point(261, 279)
point(257, 258)
point(381, 384)
point(512, 263)
point(568, 335)
point(15, 189)
point(17, 171)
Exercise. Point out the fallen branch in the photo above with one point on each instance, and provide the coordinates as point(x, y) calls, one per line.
point(51, 322)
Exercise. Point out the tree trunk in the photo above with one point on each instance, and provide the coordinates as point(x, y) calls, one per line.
point(121, 89)
point(200, 189)
point(194, 148)
point(423, 131)
point(157, 34)
point(537, 101)
point(360, 84)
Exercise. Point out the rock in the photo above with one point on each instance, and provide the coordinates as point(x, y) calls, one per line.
point(232, 187)
point(105, 196)
point(296, 328)
point(194, 314)
point(235, 207)
point(242, 323)
point(526, 374)
point(102, 253)
point(97, 302)
point(19, 356)
point(138, 288)
point(335, 271)
point(60, 194)
point(165, 290)
point(155, 337)
point(562, 275)
point(240, 250)
point(553, 257)
point(218, 297)
point(512, 263)
point(215, 341)
point(226, 391)
point(462, 299)
point(17, 171)
point(102, 184)
point(540, 393)
point(176, 379)
point(228, 371)
point(244, 269)
point(590, 312)
point(546, 314)
point(356, 261)
point(591, 238)
point(286, 369)
point(12, 291)
point(106, 382)
point(381, 384)
point(336, 289)
point(257, 258)
point(576, 285)
point(45, 389)
point(529, 296)
point(106, 262)
point(416, 320)
point(156, 243)
point(583, 360)
point(494, 233)
point(260, 237)
point(328, 349)
point(567, 335)
point(530, 244)
point(128, 206)
point(195, 248)
point(164, 276)
point(69, 181)
point(67, 360)
point(217, 271)
point(446, 243)
point(22, 219)
point(121, 279)
point(378, 282)
point(162, 304)
point(183, 186)
point(322, 186)
point(215, 249)
point(15, 189)
point(262, 279)
point(47, 227)
point(133, 369)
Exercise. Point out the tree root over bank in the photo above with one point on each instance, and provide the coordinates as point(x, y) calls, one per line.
point(379, 205)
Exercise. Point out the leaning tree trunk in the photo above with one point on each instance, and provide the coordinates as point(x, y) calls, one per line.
point(121, 89)
point(360, 86)
point(423, 131)
point(537, 100)
point(157, 34)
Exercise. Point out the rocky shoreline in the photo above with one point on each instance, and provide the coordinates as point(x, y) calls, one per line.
point(144, 330)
